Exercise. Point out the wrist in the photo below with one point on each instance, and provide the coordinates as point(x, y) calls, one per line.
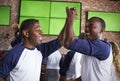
point(70, 19)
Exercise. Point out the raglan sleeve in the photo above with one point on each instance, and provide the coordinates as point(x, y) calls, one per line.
point(6, 65)
point(97, 48)
point(66, 63)
point(49, 47)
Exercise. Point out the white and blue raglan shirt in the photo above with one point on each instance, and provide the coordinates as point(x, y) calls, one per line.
point(71, 67)
point(53, 60)
point(97, 59)
point(24, 64)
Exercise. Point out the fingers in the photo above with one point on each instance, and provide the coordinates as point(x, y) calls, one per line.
point(74, 11)
point(71, 13)
point(67, 11)
point(71, 10)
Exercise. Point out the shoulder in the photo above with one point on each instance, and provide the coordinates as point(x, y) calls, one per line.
point(11, 58)
point(16, 49)
point(14, 53)
point(103, 48)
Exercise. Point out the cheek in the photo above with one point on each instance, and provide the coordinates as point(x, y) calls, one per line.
point(32, 36)
point(39, 38)
point(36, 37)
point(95, 32)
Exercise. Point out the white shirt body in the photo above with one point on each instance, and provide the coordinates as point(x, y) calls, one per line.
point(74, 70)
point(28, 67)
point(94, 69)
point(53, 60)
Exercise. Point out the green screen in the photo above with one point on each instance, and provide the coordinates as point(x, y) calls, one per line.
point(56, 26)
point(112, 20)
point(35, 8)
point(4, 15)
point(51, 14)
point(59, 7)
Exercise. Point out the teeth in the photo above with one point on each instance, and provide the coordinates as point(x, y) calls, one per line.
point(39, 37)
point(87, 33)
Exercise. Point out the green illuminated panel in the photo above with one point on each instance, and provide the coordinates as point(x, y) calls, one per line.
point(112, 20)
point(51, 14)
point(44, 22)
point(58, 9)
point(4, 15)
point(35, 8)
point(56, 26)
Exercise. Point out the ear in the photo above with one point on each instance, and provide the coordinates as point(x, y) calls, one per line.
point(102, 30)
point(25, 33)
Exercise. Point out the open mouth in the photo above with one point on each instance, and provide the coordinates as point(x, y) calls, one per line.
point(40, 38)
point(87, 33)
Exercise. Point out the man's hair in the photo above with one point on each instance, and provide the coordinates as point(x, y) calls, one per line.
point(28, 23)
point(101, 21)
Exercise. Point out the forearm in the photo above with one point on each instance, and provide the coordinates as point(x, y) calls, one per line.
point(61, 36)
point(69, 34)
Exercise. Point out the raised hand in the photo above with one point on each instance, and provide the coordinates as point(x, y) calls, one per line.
point(72, 13)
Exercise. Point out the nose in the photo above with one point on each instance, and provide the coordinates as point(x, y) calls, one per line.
point(41, 32)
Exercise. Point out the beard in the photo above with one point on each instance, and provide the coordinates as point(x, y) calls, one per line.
point(34, 43)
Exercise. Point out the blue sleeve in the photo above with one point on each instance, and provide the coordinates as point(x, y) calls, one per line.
point(61, 61)
point(65, 65)
point(9, 61)
point(49, 47)
point(44, 60)
point(97, 48)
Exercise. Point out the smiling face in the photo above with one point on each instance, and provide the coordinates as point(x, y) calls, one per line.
point(31, 33)
point(93, 29)
point(35, 35)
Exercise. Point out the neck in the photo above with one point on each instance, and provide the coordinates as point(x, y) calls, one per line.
point(100, 36)
point(28, 45)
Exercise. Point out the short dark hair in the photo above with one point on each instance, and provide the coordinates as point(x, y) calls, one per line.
point(101, 21)
point(28, 23)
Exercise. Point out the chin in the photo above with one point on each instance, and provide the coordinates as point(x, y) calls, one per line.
point(87, 38)
point(39, 42)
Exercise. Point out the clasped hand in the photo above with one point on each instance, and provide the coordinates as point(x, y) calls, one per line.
point(72, 13)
